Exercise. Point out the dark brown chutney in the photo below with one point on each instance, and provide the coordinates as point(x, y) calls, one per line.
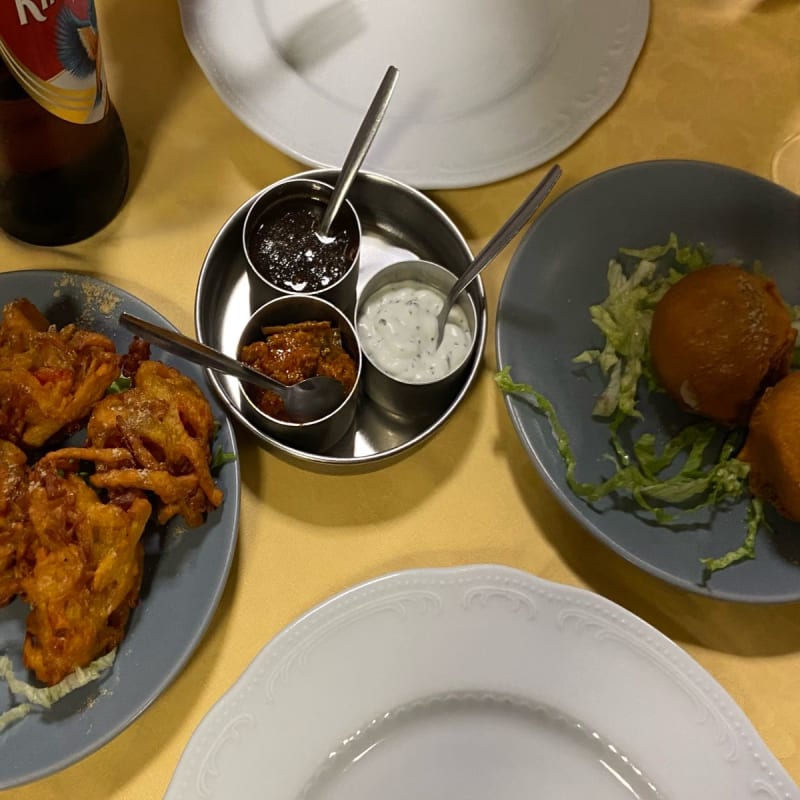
point(291, 353)
point(285, 247)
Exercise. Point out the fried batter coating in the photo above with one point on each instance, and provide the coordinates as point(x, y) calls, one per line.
point(15, 531)
point(49, 379)
point(772, 447)
point(719, 337)
point(161, 429)
point(86, 573)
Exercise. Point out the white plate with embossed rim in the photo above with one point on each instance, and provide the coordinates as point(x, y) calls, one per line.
point(475, 682)
point(487, 88)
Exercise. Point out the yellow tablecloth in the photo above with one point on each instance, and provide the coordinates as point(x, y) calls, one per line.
point(717, 80)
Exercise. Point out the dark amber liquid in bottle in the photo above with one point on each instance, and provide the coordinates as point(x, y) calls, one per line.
point(60, 181)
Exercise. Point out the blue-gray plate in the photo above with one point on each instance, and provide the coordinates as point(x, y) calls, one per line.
point(185, 569)
point(559, 270)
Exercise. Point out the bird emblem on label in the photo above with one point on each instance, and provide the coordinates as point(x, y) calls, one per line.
point(52, 48)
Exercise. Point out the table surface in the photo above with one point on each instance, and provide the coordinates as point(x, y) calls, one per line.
point(718, 84)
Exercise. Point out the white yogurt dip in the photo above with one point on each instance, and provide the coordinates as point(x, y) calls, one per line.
point(397, 330)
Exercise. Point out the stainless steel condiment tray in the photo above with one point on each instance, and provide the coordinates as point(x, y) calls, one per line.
point(398, 223)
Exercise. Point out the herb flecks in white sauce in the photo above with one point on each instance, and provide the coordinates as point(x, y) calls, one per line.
point(397, 328)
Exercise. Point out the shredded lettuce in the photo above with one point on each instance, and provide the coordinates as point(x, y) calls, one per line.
point(46, 696)
point(505, 382)
point(219, 459)
point(14, 714)
point(747, 550)
point(690, 257)
point(679, 477)
point(625, 317)
point(682, 473)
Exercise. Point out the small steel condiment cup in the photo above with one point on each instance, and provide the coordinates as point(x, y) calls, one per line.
point(396, 395)
point(312, 194)
point(321, 434)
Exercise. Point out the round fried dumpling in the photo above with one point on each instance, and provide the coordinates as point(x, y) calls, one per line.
point(719, 337)
point(772, 447)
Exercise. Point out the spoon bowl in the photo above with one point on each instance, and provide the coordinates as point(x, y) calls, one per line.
point(305, 401)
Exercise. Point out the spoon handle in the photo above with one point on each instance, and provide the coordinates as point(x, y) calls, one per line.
point(361, 144)
point(507, 231)
point(198, 353)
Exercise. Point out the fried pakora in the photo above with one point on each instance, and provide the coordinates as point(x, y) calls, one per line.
point(15, 533)
point(49, 378)
point(772, 447)
point(719, 337)
point(155, 437)
point(291, 353)
point(86, 572)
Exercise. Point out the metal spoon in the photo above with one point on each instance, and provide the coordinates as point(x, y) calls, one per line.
point(507, 231)
point(358, 150)
point(308, 400)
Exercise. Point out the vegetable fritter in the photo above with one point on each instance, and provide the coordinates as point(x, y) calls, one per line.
point(165, 425)
point(86, 572)
point(15, 531)
point(49, 378)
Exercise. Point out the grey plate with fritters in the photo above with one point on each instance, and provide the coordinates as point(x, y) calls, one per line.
point(185, 569)
point(398, 223)
point(559, 270)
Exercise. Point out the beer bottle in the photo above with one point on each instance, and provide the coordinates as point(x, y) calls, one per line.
point(63, 152)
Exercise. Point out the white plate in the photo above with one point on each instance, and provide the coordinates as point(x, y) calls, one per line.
point(487, 88)
point(473, 683)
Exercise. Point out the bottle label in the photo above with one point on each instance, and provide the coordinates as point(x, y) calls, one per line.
point(52, 49)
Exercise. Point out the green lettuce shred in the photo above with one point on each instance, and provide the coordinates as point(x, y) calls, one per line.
point(641, 472)
point(625, 317)
point(121, 384)
point(690, 257)
point(14, 714)
point(747, 550)
point(46, 696)
point(220, 458)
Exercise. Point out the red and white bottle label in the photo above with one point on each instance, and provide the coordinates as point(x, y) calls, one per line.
point(52, 49)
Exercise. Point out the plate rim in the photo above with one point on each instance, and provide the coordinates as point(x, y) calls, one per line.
point(233, 499)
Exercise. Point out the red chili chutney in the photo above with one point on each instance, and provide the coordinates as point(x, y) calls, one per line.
point(294, 352)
